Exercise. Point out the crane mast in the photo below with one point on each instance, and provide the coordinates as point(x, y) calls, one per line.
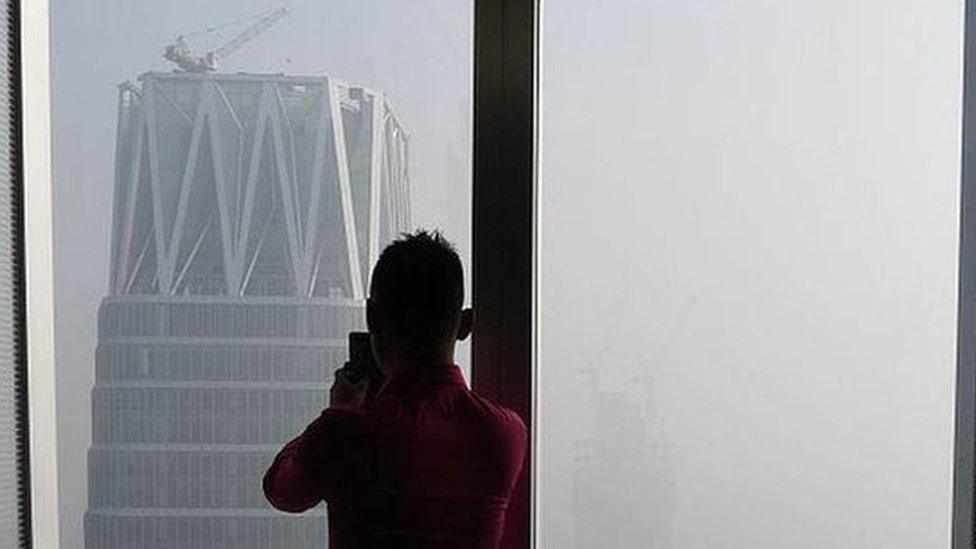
point(184, 58)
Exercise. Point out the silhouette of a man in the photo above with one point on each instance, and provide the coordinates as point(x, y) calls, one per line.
point(426, 462)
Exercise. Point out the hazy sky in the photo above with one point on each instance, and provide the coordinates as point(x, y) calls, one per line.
point(750, 231)
point(417, 52)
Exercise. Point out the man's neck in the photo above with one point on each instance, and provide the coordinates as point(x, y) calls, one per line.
point(405, 362)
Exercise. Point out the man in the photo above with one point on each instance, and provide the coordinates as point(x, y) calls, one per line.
point(426, 462)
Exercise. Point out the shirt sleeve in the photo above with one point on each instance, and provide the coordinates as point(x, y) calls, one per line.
point(318, 464)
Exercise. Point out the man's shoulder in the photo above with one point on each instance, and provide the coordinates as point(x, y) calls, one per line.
point(501, 416)
point(455, 404)
point(508, 434)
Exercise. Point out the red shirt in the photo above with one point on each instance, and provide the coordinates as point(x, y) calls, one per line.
point(427, 463)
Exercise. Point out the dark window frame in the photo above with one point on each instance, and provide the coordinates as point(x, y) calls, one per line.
point(15, 171)
point(963, 523)
point(504, 229)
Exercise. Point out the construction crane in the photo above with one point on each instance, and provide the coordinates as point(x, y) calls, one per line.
point(181, 54)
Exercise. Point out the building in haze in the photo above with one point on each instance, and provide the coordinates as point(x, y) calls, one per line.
point(248, 210)
point(623, 487)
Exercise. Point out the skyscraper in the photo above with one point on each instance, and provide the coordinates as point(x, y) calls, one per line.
point(248, 210)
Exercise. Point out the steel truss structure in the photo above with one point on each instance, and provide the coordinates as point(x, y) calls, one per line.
point(248, 211)
point(222, 180)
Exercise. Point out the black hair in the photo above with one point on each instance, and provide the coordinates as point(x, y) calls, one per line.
point(419, 280)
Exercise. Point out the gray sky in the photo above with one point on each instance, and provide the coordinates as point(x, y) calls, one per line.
point(754, 204)
point(417, 52)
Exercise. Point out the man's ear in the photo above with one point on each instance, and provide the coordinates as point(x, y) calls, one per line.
point(466, 324)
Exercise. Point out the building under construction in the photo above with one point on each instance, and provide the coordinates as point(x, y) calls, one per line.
point(248, 210)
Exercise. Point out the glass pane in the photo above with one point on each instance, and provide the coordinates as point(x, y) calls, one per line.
point(225, 174)
point(749, 268)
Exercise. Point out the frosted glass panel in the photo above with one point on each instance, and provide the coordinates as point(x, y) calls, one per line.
point(225, 175)
point(748, 273)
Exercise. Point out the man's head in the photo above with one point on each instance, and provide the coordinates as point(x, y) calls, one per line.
point(416, 294)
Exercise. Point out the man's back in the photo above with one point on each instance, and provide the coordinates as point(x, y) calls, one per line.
point(426, 464)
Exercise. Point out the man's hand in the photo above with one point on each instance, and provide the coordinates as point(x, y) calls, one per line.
point(347, 390)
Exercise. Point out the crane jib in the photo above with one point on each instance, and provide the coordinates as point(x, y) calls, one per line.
point(180, 53)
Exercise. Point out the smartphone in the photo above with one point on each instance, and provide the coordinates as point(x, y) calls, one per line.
point(362, 363)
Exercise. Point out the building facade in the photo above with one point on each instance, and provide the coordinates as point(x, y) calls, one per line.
point(248, 211)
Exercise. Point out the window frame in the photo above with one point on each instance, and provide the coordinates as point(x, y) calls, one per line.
point(14, 66)
point(505, 228)
point(39, 313)
point(963, 516)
